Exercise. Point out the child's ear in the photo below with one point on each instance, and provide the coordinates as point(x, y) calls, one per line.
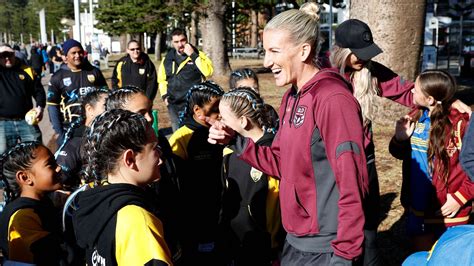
point(244, 122)
point(128, 159)
point(197, 110)
point(431, 100)
point(23, 178)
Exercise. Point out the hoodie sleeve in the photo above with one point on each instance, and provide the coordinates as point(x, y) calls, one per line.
point(203, 63)
point(264, 158)
point(53, 101)
point(392, 86)
point(162, 80)
point(343, 138)
point(144, 242)
point(152, 82)
point(467, 152)
point(117, 76)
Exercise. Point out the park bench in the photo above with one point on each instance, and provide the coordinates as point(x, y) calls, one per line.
point(246, 52)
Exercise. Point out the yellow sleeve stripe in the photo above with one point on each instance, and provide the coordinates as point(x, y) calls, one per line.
point(139, 237)
point(273, 210)
point(119, 74)
point(162, 82)
point(51, 103)
point(179, 141)
point(227, 151)
point(204, 64)
point(24, 229)
point(28, 70)
point(460, 197)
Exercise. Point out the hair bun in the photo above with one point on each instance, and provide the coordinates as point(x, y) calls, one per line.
point(311, 9)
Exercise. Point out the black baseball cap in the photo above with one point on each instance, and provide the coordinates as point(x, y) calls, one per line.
point(356, 35)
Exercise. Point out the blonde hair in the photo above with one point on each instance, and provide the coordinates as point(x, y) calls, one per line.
point(365, 86)
point(302, 25)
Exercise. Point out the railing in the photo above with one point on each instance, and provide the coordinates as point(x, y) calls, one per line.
point(246, 52)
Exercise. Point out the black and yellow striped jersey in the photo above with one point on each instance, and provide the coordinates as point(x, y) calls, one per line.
point(30, 232)
point(116, 225)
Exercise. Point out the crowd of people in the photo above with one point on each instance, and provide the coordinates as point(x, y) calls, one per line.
point(237, 183)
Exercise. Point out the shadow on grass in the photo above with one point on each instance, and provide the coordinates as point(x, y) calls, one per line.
point(392, 243)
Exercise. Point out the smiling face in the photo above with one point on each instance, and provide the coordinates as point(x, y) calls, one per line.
point(74, 58)
point(419, 97)
point(44, 172)
point(281, 56)
point(134, 51)
point(354, 62)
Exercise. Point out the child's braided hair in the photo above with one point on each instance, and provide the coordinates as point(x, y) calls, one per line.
point(240, 74)
point(18, 158)
point(246, 102)
point(110, 134)
point(199, 95)
point(118, 98)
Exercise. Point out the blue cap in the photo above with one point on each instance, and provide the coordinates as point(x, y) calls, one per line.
point(69, 44)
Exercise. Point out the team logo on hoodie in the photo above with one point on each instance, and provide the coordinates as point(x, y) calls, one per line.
point(141, 71)
point(300, 113)
point(91, 78)
point(255, 174)
point(67, 82)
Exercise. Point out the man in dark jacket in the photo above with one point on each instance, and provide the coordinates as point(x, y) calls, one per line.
point(136, 69)
point(18, 84)
point(68, 85)
point(183, 66)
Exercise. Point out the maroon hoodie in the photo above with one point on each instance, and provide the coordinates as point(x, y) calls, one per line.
point(318, 153)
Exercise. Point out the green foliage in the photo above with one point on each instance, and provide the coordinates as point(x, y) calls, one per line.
point(21, 16)
point(138, 16)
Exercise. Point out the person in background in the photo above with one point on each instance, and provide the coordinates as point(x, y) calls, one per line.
point(68, 85)
point(136, 69)
point(18, 85)
point(183, 66)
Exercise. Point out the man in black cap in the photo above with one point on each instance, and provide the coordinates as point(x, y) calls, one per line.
point(68, 85)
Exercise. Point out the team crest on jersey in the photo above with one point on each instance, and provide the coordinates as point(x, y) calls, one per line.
point(255, 174)
point(21, 76)
point(141, 71)
point(67, 81)
point(300, 114)
point(91, 78)
point(420, 127)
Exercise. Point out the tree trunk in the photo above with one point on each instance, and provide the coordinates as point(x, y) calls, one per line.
point(193, 28)
point(214, 44)
point(253, 28)
point(398, 28)
point(158, 46)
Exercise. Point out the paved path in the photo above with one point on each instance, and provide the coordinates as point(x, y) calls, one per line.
point(45, 126)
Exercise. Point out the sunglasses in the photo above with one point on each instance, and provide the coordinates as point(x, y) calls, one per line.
point(134, 49)
point(6, 54)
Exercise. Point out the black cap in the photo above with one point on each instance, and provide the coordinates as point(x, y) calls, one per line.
point(356, 35)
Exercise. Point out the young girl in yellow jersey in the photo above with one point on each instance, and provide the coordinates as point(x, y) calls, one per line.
point(198, 164)
point(30, 229)
point(116, 221)
point(250, 216)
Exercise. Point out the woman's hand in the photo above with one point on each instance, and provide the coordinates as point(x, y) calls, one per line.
point(462, 107)
point(219, 133)
point(451, 207)
point(404, 128)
